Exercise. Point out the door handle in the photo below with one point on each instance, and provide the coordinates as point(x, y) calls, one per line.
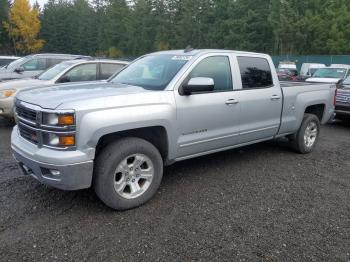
point(231, 102)
point(275, 97)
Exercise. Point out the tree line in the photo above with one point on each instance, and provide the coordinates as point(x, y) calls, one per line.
point(117, 28)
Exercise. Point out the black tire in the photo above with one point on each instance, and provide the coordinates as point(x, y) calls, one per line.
point(298, 141)
point(106, 165)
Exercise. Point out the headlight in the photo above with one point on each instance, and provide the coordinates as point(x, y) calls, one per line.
point(7, 93)
point(59, 140)
point(53, 119)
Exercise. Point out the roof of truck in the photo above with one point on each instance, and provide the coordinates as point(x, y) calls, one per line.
point(202, 51)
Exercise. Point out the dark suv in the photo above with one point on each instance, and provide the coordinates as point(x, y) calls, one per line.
point(342, 106)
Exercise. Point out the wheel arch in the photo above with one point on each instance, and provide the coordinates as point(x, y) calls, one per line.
point(317, 110)
point(156, 135)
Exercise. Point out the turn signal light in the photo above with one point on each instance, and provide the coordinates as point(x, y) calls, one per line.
point(8, 93)
point(66, 120)
point(67, 140)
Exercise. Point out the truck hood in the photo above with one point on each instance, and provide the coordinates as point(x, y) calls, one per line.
point(53, 96)
point(22, 83)
point(323, 80)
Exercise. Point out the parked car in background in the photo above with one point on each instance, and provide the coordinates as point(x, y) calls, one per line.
point(68, 71)
point(287, 65)
point(164, 107)
point(5, 60)
point(33, 65)
point(287, 74)
point(332, 74)
point(342, 104)
point(308, 69)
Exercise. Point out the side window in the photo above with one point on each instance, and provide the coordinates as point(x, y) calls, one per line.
point(255, 72)
point(35, 64)
point(54, 61)
point(85, 72)
point(108, 69)
point(217, 68)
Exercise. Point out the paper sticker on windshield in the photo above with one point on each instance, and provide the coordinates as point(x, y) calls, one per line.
point(340, 71)
point(181, 57)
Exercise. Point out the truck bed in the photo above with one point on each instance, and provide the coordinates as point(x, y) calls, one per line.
point(297, 95)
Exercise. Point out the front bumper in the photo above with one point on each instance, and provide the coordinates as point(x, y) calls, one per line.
point(342, 110)
point(65, 170)
point(7, 107)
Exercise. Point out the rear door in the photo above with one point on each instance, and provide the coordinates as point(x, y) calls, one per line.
point(260, 99)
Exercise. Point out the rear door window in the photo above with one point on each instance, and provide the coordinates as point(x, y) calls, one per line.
point(108, 69)
point(255, 72)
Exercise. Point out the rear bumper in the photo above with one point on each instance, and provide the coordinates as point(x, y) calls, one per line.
point(68, 170)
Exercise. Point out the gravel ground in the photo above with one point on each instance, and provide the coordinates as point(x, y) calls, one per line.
point(258, 203)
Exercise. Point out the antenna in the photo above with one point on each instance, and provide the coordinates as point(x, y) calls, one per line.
point(188, 49)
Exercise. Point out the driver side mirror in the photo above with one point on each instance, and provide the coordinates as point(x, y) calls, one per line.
point(19, 70)
point(63, 79)
point(198, 85)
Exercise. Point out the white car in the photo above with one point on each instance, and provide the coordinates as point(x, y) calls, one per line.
point(68, 71)
point(332, 74)
point(308, 69)
point(287, 65)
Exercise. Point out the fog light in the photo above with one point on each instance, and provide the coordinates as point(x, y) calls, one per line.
point(1, 110)
point(55, 172)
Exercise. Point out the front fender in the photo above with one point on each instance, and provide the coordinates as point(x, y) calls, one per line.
point(96, 124)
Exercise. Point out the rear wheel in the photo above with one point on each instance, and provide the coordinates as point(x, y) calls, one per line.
point(305, 140)
point(128, 173)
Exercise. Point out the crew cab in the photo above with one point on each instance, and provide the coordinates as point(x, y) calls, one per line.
point(164, 107)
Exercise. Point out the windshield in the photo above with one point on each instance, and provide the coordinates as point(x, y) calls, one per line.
point(153, 72)
point(347, 81)
point(312, 71)
point(53, 71)
point(330, 73)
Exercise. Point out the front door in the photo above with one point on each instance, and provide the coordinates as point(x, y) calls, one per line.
point(208, 121)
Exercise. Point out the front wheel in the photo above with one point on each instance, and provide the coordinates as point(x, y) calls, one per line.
point(128, 173)
point(305, 140)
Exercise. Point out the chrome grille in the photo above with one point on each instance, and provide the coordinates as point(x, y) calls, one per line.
point(27, 123)
point(32, 128)
point(28, 133)
point(343, 98)
point(26, 113)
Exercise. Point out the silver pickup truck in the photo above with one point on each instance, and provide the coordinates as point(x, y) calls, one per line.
point(162, 108)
